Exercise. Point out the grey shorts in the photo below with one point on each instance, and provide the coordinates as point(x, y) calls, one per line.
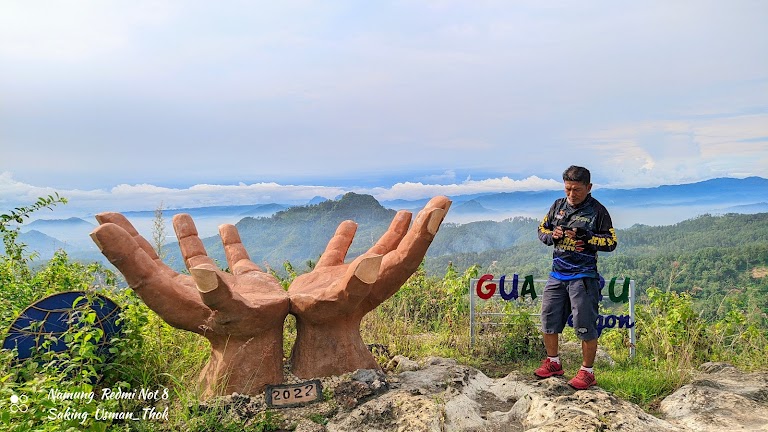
point(579, 297)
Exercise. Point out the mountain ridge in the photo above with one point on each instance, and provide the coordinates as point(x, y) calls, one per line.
point(300, 233)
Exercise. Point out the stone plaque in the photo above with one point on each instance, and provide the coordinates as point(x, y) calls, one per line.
point(279, 396)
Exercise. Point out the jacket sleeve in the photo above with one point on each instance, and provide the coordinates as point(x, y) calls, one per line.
point(546, 228)
point(604, 239)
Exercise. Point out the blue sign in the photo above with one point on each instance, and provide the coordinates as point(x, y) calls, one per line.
point(54, 315)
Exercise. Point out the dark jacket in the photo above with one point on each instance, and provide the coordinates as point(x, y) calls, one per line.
point(595, 229)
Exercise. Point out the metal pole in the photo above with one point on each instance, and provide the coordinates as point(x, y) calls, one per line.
point(632, 339)
point(471, 314)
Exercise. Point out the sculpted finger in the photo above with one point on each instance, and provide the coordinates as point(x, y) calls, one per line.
point(356, 284)
point(122, 250)
point(439, 202)
point(192, 248)
point(338, 246)
point(413, 247)
point(341, 289)
point(362, 273)
point(214, 291)
point(395, 233)
point(397, 266)
point(121, 221)
point(237, 257)
point(178, 306)
point(235, 313)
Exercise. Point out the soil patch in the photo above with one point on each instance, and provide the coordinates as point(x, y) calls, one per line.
point(759, 272)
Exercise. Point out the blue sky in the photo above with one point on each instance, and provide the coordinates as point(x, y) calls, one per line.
point(121, 105)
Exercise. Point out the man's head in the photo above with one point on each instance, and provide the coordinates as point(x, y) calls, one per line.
point(577, 184)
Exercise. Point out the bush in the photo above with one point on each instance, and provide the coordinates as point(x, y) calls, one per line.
point(63, 391)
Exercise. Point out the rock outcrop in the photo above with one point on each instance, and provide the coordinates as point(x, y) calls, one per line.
point(720, 398)
point(446, 396)
point(438, 394)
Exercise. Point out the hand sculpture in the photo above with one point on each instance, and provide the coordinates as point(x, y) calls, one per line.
point(241, 314)
point(330, 302)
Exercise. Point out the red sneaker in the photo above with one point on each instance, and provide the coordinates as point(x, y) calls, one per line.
point(583, 380)
point(548, 368)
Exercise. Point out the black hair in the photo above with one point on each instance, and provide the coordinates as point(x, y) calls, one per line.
point(577, 174)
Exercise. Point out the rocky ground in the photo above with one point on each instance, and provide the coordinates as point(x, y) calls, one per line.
point(439, 394)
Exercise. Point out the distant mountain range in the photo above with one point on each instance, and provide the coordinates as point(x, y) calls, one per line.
point(275, 232)
point(43, 244)
point(254, 210)
point(72, 233)
point(674, 202)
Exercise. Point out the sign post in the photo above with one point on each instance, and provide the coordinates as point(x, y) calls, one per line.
point(489, 288)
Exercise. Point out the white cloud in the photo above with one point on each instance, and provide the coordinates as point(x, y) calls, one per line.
point(719, 137)
point(652, 153)
point(410, 190)
point(147, 197)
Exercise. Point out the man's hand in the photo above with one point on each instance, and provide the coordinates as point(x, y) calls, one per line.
point(330, 302)
point(579, 236)
point(558, 233)
point(241, 313)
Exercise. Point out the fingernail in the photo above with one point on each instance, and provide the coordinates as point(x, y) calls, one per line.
point(96, 240)
point(435, 219)
point(205, 278)
point(368, 269)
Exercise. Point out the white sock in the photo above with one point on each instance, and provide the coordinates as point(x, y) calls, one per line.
point(588, 369)
point(555, 359)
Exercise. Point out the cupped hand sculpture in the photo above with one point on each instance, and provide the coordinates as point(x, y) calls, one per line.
point(241, 313)
point(330, 302)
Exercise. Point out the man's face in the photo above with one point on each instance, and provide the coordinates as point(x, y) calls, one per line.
point(576, 192)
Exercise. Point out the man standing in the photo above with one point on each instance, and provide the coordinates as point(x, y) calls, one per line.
point(578, 226)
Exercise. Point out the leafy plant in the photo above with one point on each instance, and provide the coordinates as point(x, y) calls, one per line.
point(15, 260)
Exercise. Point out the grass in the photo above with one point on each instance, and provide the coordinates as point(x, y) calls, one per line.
point(428, 317)
point(637, 383)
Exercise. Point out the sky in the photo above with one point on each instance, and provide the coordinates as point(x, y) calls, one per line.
point(125, 105)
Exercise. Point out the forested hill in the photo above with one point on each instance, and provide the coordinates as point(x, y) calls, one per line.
point(301, 233)
point(730, 230)
point(706, 254)
point(453, 239)
point(701, 232)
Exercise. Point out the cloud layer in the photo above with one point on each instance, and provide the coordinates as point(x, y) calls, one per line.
point(126, 197)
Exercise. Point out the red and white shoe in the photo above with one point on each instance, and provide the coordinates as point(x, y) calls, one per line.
point(583, 380)
point(548, 368)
